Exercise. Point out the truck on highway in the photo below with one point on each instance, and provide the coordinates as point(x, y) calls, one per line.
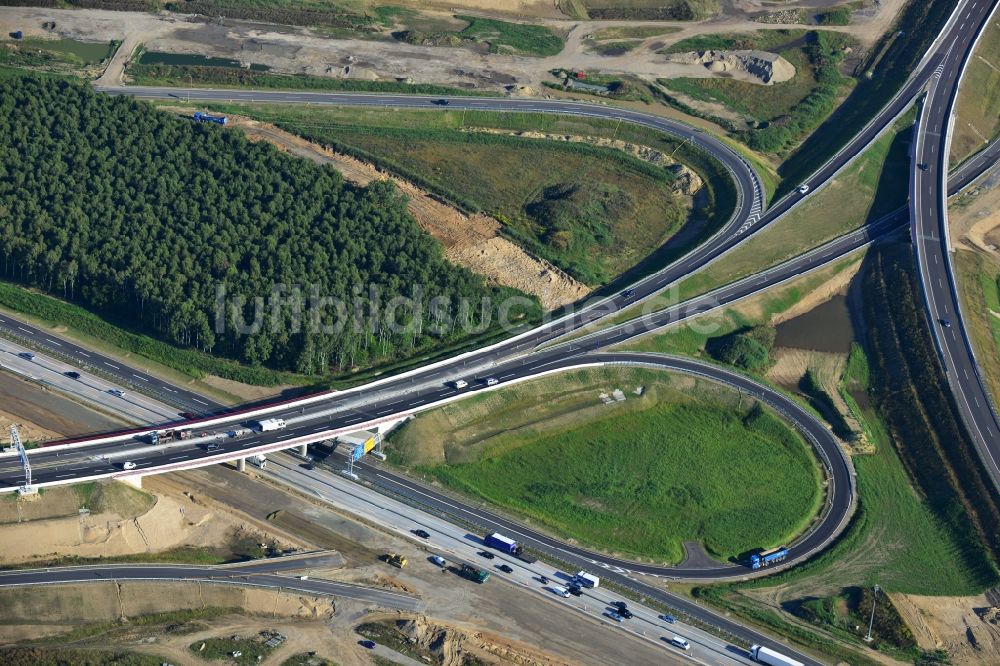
point(584, 579)
point(507, 545)
point(771, 658)
point(205, 118)
point(768, 557)
point(260, 460)
point(270, 425)
point(474, 573)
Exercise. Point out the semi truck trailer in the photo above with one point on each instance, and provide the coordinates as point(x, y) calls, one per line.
point(585, 579)
point(205, 118)
point(771, 658)
point(507, 545)
point(768, 557)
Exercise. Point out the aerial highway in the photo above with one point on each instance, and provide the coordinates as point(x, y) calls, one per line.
point(266, 573)
point(929, 218)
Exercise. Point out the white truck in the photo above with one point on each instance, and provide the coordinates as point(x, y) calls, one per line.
point(270, 425)
point(584, 579)
point(771, 658)
point(260, 460)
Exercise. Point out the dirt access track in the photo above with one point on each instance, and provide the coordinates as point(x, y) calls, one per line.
point(303, 50)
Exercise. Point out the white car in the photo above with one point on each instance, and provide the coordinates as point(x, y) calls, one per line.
point(460, 383)
point(679, 642)
point(438, 560)
point(803, 189)
point(561, 591)
point(492, 381)
point(117, 393)
point(128, 465)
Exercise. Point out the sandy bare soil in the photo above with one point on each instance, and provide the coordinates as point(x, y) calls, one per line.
point(173, 521)
point(968, 628)
point(974, 217)
point(305, 50)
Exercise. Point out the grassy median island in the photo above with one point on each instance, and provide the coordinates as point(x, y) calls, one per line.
point(686, 460)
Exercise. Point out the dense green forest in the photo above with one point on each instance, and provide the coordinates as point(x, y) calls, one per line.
point(141, 216)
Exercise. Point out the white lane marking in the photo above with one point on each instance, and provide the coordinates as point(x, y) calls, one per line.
point(200, 402)
point(169, 389)
point(179, 458)
point(54, 342)
point(138, 377)
point(111, 365)
point(25, 329)
point(83, 353)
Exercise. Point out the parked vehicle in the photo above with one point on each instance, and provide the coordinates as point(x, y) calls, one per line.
point(771, 657)
point(396, 560)
point(367, 644)
point(768, 557)
point(438, 560)
point(205, 118)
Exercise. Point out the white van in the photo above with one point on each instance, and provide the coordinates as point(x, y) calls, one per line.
point(460, 383)
point(677, 641)
point(561, 591)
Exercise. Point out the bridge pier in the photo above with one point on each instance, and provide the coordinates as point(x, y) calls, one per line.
point(304, 450)
point(241, 464)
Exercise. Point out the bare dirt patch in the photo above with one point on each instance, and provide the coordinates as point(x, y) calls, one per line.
point(43, 415)
point(172, 522)
point(968, 628)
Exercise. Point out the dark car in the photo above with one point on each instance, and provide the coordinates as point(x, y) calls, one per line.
point(505, 568)
point(544, 580)
point(310, 466)
point(575, 590)
point(367, 644)
point(212, 446)
point(72, 374)
point(669, 619)
point(487, 554)
point(26, 355)
point(628, 293)
point(946, 323)
point(187, 415)
point(423, 534)
point(625, 613)
point(922, 166)
point(620, 605)
point(442, 102)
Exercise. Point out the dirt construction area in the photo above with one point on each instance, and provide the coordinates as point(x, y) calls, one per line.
point(493, 624)
point(303, 50)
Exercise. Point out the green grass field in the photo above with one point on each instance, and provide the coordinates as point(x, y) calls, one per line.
point(595, 212)
point(503, 36)
point(637, 477)
point(978, 278)
point(632, 32)
point(978, 106)
point(58, 56)
point(647, 10)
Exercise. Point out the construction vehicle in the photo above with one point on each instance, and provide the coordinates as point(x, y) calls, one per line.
point(396, 560)
point(205, 118)
point(474, 573)
point(768, 557)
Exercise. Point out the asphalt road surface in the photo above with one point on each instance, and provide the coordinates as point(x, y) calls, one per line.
point(259, 573)
point(929, 215)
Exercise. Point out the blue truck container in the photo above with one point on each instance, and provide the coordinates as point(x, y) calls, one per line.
point(500, 542)
point(768, 557)
point(205, 118)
